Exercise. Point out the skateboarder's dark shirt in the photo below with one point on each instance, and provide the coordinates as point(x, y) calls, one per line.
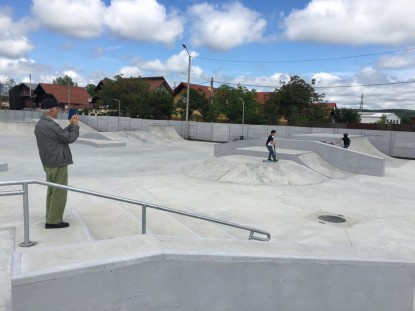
point(270, 138)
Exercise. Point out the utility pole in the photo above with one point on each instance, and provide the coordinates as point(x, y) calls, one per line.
point(361, 103)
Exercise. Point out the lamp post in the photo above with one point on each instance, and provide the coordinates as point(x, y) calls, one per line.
point(188, 91)
point(119, 112)
point(243, 117)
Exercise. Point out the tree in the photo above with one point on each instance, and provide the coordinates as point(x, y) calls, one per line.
point(65, 80)
point(4, 89)
point(290, 101)
point(137, 101)
point(90, 88)
point(383, 123)
point(233, 103)
point(160, 105)
point(312, 114)
point(346, 115)
point(198, 101)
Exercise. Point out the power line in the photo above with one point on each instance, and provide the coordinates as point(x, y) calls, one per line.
point(323, 87)
point(302, 60)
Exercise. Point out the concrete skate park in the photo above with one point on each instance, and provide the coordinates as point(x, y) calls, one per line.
point(340, 221)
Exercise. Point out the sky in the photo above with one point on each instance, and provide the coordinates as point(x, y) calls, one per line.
point(351, 48)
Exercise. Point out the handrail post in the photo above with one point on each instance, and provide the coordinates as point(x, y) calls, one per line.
point(26, 242)
point(143, 219)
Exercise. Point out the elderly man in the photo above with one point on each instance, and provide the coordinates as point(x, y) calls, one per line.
point(53, 144)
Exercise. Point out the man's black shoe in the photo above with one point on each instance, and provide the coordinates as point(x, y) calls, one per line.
point(57, 226)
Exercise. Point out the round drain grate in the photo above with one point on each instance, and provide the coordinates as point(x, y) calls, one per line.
point(330, 218)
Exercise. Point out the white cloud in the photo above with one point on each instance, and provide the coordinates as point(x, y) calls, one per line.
point(176, 64)
point(13, 42)
point(353, 22)
point(325, 78)
point(130, 71)
point(78, 18)
point(396, 62)
point(17, 67)
point(143, 20)
point(226, 26)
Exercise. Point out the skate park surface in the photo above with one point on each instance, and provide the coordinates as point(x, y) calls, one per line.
point(159, 167)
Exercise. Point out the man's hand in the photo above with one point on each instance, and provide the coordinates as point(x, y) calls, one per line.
point(74, 119)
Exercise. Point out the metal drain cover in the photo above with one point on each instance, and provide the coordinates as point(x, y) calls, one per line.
point(331, 218)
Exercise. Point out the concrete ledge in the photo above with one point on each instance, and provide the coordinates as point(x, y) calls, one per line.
point(98, 143)
point(186, 274)
point(6, 254)
point(347, 160)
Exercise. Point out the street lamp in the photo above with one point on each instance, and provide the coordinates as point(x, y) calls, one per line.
point(243, 117)
point(188, 91)
point(119, 112)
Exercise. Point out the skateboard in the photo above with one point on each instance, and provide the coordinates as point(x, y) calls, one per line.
point(270, 161)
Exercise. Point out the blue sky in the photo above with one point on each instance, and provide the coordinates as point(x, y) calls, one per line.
point(350, 47)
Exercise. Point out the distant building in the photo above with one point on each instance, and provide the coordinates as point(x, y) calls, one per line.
point(29, 95)
point(370, 117)
point(21, 96)
point(73, 97)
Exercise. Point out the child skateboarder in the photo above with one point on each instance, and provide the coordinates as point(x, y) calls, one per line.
point(271, 146)
point(346, 141)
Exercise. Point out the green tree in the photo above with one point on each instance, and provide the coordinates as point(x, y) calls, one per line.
point(314, 113)
point(4, 89)
point(65, 80)
point(136, 99)
point(346, 115)
point(270, 109)
point(290, 101)
point(197, 101)
point(383, 123)
point(160, 105)
point(90, 88)
point(233, 103)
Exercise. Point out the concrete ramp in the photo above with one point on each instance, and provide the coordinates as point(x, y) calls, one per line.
point(313, 161)
point(166, 131)
point(362, 144)
point(253, 171)
point(17, 128)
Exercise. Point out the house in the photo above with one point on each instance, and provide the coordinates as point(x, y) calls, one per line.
point(21, 96)
point(370, 117)
point(29, 95)
point(181, 90)
point(73, 97)
point(157, 83)
point(262, 97)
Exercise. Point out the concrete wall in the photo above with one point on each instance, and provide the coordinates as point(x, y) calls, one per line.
point(397, 144)
point(177, 281)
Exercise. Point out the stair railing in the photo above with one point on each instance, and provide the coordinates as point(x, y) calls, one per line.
point(254, 234)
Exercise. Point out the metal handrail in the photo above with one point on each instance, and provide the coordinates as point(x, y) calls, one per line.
point(25, 193)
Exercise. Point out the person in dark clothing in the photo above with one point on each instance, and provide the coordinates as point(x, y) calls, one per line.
point(346, 141)
point(271, 146)
point(55, 155)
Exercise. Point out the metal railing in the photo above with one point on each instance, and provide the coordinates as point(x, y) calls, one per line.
point(262, 235)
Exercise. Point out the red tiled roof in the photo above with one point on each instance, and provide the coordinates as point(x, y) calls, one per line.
point(262, 97)
point(157, 82)
point(328, 105)
point(77, 96)
point(154, 82)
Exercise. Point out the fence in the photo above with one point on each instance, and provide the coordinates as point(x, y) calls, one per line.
point(393, 143)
